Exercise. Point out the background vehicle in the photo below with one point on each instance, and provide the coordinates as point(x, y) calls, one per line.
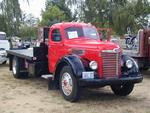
point(72, 56)
point(142, 51)
point(131, 41)
point(4, 45)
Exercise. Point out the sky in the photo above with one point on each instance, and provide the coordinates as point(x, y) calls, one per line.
point(34, 7)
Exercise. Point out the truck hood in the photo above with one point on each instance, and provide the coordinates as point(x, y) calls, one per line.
point(83, 43)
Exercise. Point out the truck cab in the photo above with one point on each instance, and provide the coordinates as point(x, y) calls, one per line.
point(75, 56)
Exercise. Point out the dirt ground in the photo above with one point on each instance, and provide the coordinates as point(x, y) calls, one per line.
point(32, 96)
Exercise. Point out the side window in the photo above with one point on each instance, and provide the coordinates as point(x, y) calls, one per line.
point(56, 35)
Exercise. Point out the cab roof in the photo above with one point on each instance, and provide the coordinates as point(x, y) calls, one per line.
point(68, 24)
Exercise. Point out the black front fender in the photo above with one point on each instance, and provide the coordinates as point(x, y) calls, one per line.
point(74, 62)
point(133, 70)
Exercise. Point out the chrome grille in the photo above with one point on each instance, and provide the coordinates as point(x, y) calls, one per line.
point(111, 64)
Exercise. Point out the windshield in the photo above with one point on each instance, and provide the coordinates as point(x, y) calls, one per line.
point(2, 36)
point(81, 32)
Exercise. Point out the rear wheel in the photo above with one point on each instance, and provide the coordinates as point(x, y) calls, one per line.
point(68, 85)
point(123, 89)
point(16, 69)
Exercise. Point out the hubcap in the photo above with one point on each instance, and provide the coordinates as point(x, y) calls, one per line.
point(66, 84)
point(14, 67)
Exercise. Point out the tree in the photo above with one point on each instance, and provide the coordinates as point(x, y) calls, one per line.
point(12, 13)
point(142, 10)
point(134, 15)
point(95, 11)
point(51, 15)
point(118, 14)
point(28, 28)
point(62, 5)
point(28, 33)
point(122, 19)
point(3, 26)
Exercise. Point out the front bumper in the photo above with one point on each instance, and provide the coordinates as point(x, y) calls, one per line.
point(110, 81)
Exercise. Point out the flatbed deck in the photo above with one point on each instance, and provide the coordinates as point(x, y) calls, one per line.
point(23, 53)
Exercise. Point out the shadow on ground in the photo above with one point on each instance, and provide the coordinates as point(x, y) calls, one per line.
point(101, 95)
point(146, 73)
point(4, 65)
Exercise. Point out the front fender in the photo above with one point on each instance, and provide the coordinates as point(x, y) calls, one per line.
point(74, 62)
point(133, 70)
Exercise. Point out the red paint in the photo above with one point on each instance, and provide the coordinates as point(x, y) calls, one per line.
point(91, 47)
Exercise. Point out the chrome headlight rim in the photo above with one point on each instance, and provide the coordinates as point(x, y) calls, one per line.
point(129, 64)
point(93, 65)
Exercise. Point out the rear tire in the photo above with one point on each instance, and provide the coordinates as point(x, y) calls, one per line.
point(68, 85)
point(16, 69)
point(123, 89)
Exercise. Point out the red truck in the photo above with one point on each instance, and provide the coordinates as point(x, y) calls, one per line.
point(73, 56)
point(141, 51)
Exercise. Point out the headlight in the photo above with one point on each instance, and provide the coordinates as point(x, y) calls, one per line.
point(93, 65)
point(129, 63)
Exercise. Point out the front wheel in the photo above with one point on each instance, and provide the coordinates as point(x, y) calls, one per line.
point(68, 85)
point(123, 89)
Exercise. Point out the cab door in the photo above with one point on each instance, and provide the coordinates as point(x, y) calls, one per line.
point(55, 48)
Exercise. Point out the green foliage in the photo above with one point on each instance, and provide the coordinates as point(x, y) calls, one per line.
point(27, 28)
point(13, 22)
point(56, 11)
point(117, 14)
point(123, 18)
point(51, 15)
point(3, 23)
point(95, 11)
point(12, 14)
point(133, 14)
point(63, 7)
point(27, 32)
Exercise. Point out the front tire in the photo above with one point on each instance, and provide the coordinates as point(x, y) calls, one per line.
point(123, 89)
point(68, 85)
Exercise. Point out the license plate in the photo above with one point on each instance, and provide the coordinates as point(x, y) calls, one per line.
point(88, 75)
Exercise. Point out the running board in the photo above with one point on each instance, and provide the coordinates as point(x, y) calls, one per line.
point(47, 76)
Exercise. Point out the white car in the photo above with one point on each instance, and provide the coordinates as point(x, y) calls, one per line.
point(4, 45)
point(3, 56)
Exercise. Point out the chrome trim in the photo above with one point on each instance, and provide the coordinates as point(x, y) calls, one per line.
point(115, 50)
point(117, 66)
point(108, 51)
point(115, 60)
